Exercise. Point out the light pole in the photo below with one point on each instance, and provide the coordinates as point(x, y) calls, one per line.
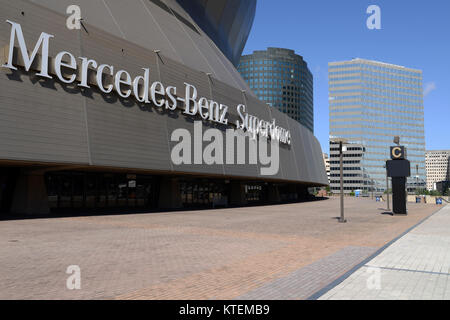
point(417, 178)
point(371, 187)
point(341, 163)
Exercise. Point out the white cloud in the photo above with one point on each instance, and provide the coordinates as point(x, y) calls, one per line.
point(429, 87)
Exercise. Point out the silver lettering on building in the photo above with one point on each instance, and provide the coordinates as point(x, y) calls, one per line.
point(87, 72)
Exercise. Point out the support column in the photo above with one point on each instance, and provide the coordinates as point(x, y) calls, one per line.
point(292, 189)
point(3, 179)
point(30, 195)
point(169, 194)
point(273, 193)
point(237, 194)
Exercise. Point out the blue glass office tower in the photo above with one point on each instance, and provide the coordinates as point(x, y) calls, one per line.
point(282, 79)
point(370, 103)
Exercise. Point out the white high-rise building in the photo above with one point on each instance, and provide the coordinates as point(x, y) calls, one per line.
point(370, 103)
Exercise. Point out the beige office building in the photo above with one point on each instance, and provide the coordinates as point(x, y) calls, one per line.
point(438, 167)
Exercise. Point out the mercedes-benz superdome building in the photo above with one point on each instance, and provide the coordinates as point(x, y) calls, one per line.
point(138, 105)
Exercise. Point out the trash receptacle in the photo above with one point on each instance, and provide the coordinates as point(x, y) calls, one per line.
point(438, 200)
point(417, 199)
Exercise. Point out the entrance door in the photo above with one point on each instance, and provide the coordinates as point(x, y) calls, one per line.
point(8, 178)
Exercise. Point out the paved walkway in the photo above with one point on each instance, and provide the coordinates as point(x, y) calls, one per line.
point(415, 267)
point(270, 252)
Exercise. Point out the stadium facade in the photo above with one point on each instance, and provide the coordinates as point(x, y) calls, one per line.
point(87, 115)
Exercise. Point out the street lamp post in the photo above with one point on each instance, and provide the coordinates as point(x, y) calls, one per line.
point(341, 158)
point(371, 187)
point(417, 178)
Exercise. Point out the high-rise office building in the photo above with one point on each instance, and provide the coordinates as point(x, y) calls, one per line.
point(438, 167)
point(370, 103)
point(282, 79)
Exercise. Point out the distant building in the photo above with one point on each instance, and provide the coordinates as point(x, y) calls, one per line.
point(443, 187)
point(370, 103)
point(282, 79)
point(438, 167)
point(355, 177)
point(326, 161)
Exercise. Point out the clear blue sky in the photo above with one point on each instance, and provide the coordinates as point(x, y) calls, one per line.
point(414, 34)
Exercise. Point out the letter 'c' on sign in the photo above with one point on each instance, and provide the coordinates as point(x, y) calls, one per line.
point(396, 152)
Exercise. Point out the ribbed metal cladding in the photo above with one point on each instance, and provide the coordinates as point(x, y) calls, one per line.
point(50, 122)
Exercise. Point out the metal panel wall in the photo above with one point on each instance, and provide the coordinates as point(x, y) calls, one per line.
point(48, 121)
point(37, 120)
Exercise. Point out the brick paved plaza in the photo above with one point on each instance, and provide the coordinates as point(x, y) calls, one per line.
point(269, 252)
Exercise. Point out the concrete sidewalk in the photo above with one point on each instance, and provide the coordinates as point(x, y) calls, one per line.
point(415, 267)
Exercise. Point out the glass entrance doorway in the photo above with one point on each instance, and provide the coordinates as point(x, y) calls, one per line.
point(256, 193)
point(203, 193)
point(92, 190)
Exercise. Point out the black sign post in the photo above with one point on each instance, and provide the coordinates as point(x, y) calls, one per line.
point(398, 169)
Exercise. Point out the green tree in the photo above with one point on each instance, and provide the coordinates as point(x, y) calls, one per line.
point(424, 192)
point(435, 193)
